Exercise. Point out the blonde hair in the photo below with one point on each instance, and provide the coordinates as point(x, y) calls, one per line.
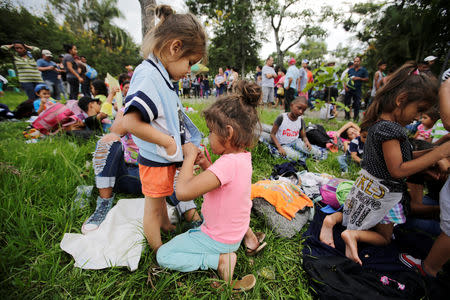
point(172, 26)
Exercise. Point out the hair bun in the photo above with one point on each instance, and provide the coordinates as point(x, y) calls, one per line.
point(250, 92)
point(163, 11)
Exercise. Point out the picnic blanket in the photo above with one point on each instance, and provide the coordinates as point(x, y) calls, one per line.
point(118, 241)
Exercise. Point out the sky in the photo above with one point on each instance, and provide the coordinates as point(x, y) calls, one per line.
point(132, 20)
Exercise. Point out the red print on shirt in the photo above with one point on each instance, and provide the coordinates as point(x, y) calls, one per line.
point(288, 132)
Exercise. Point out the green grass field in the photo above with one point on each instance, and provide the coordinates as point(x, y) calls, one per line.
point(37, 188)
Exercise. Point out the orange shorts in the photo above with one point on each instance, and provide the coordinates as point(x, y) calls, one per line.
point(157, 182)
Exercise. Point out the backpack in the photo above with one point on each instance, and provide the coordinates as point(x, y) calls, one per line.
point(91, 73)
point(53, 116)
point(328, 192)
point(317, 135)
point(77, 111)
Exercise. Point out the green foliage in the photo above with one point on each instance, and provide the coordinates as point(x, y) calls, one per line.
point(325, 77)
point(108, 54)
point(313, 50)
point(235, 42)
point(398, 31)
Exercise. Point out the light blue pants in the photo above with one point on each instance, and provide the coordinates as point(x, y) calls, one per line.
point(191, 251)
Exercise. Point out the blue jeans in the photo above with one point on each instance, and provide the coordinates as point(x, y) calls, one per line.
point(55, 92)
point(111, 171)
point(191, 251)
point(356, 97)
point(28, 87)
point(428, 225)
point(344, 161)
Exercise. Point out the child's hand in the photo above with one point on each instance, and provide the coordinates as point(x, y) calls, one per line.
point(308, 145)
point(282, 151)
point(115, 90)
point(201, 160)
point(444, 165)
point(190, 150)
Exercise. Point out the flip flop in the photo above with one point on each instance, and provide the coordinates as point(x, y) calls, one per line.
point(260, 236)
point(245, 284)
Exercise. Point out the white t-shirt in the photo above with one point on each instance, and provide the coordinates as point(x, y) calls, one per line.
point(288, 130)
point(269, 82)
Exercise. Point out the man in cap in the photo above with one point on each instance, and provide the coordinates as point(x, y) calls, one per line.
point(291, 83)
point(50, 73)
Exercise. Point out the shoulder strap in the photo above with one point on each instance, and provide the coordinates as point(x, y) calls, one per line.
point(169, 85)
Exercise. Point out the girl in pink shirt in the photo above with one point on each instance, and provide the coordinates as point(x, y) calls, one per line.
point(226, 186)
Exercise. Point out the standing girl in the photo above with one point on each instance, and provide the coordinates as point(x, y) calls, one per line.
point(153, 112)
point(226, 186)
point(375, 201)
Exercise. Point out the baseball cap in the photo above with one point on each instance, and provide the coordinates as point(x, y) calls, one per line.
point(292, 61)
point(47, 53)
point(429, 58)
point(40, 87)
point(305, 61)
point(83, 103)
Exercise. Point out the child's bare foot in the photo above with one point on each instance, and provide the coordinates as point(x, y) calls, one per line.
point(326, 232)
point(351, 245)
point(227, 262)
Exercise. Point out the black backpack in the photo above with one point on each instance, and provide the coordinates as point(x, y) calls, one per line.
point(317, 135)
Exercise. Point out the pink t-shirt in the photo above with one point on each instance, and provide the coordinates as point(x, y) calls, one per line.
point(422, 133)
point(226, 210)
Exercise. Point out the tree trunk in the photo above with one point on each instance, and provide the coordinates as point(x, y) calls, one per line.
point(147, 15)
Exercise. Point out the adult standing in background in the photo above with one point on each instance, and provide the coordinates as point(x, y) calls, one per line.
point(303, 79)
point(49, 71)
point(63, 85)
point(357, 76)
point(290, 84)
point(86, 85)
point(73, 76)
point(267, 83)
point(29, 75)
point(220, 82)
point(345, 73)
point(377, 79)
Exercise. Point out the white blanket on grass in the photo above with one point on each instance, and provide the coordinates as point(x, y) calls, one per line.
point(118, 241)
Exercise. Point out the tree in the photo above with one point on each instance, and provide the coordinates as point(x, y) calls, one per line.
point(235, 42)
point(402, 30)
point(147, 15)
point(313, 50)
point(291, 26)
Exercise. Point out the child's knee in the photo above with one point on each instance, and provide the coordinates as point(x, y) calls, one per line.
point(162, 256)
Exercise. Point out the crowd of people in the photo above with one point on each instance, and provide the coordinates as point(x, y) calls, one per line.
point(150, 141)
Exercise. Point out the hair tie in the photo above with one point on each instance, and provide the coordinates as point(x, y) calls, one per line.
point(414, 72)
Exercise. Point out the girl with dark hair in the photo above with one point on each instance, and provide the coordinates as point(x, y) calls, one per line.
point(226, 186)
point(29, 75)
point(73, 77)
point(376, 201)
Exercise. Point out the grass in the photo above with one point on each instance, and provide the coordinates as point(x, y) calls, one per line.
point(37, 187)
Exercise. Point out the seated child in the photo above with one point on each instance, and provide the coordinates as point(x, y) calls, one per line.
point(287, 130)
point(428, 120)
point(226, 186)
point(375, 202)
point(344, 135)
point(43, 97)
point(99, 91)
point(354, 152)
point(93, 109)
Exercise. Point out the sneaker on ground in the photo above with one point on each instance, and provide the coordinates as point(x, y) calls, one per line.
point(412, 262)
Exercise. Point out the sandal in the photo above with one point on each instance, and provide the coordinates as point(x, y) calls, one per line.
point(245, 284)
point(260, 236)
